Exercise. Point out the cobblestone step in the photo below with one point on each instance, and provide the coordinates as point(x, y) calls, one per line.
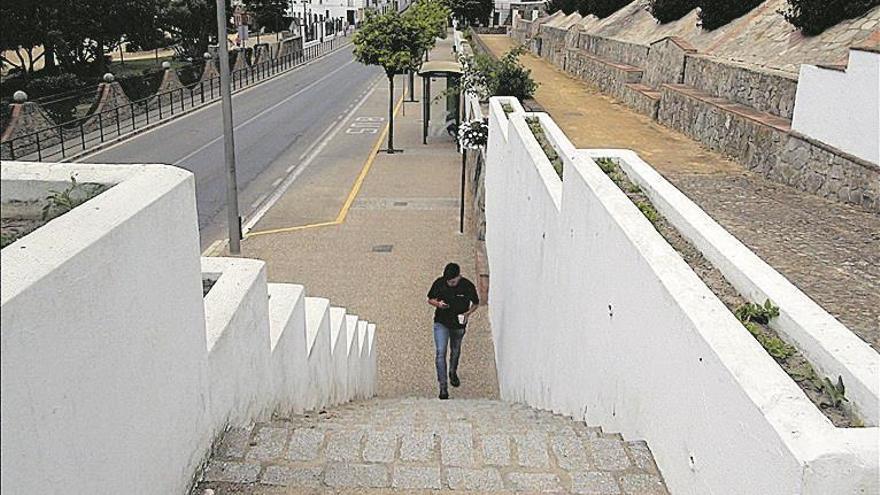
point(407, 445)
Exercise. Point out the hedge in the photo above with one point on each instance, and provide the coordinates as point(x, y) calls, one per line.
point(717, 13)
point(814, 16)
point(601, 8)
point(670, 10)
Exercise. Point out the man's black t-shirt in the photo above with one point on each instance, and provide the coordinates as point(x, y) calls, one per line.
point(459, 299)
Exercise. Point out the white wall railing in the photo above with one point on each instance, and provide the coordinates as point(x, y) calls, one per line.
point(117, 374)
point(595, 315)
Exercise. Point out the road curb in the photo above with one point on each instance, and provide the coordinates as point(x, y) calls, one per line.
point(149, 127)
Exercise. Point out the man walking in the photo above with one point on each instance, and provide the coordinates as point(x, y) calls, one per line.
point(454, 298)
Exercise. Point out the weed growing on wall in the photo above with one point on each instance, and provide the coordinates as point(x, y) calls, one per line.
point(538, 131)
point(60, 202)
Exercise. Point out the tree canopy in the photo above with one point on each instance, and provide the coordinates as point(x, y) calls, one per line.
point(390, 41)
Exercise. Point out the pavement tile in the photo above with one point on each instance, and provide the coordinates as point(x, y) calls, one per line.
point(531, 450)
point(570, 452)
point(486, 479)
point(234, 444)
point(343, 475)
point(496, 450)
point(305, 444)
point(416, 477)
point(457, 450)
point(594, 483)
point(380, 446)
point(609, 454)
point(344, 446)
point(642, 484)
point(269, 443)
point(304, 476)
point(417, 447)
point(534, 482)
point(232, 472)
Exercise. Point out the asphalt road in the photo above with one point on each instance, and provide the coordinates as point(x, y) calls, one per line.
point(277, 124)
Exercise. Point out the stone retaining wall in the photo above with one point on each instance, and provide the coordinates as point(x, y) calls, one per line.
point(771, 92)
point(665, 63)
point(614, 50)
point(608, 77)
point(777, 153)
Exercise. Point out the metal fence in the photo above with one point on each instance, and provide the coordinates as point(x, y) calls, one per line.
point(79, 135)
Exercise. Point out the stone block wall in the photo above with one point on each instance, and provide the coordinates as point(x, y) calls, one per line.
point(817, 168)
point(553, 46)
point(113, 106)
point(665, 63)
point(607, 76)
point(777, 153)
point(641, 99)
point(614, 50)
point(765, 91)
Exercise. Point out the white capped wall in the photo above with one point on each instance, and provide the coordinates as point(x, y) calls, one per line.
point(842, 108)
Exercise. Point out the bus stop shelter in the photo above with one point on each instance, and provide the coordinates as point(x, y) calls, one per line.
point(452, 72)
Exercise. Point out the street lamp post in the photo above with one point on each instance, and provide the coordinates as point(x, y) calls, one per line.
point(233, 220)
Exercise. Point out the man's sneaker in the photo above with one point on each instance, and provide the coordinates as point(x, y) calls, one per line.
point(453, 379)
point(444, 394)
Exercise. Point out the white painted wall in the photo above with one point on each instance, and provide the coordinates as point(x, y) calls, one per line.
point(831, 347)
point(104, 373)
point(238, 342)
point(842, 108)
point(116, 372)
point(595, 316)
point(287, 328)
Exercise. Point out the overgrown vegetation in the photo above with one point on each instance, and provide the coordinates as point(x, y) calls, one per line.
point(716, 13)
point(538, 130)
point(471, 12)
point(670, 10)
point(814, 16)
point(826, 394)
point(507, 107)
point(484, 76)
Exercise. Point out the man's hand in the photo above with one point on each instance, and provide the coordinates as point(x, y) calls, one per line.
point(437, 303)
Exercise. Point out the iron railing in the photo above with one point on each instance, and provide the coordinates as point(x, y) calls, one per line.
point(79, 135)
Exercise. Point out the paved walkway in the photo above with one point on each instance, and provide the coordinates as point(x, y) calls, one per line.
point(829, 250)
point(401, 229)
point(421, 445)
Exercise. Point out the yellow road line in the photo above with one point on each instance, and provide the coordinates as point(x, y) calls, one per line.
point(355, 188)
point(290, 229)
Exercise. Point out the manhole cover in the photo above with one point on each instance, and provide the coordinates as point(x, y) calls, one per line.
point(383, 248)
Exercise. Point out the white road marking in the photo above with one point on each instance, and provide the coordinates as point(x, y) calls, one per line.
point(279, 192)
point(259, 200)
point(277, 181)
point(265, 111)
point(206, 106)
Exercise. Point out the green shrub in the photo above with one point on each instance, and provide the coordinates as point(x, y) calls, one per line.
point(483, 76)
point(670, 10)
point(601, 8)
point(814, 16)
point(716, 13)
point(52, 85)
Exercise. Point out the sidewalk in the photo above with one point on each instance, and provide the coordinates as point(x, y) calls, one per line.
point(401, 229)
point(829, 250)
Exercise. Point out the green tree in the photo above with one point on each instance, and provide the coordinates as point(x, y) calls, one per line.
point(191, 23)
point(24, 26)
point(472, 12)
point(566, 6)
point(268, 13)
point(429, 18)
point(387, 40)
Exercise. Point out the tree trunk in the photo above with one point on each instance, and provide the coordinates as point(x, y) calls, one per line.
point(390, 113)
point(49, 60)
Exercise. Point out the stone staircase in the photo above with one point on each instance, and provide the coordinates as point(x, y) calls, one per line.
point(420, 445)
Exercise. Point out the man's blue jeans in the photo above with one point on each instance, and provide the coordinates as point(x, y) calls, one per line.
point(447, 338)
